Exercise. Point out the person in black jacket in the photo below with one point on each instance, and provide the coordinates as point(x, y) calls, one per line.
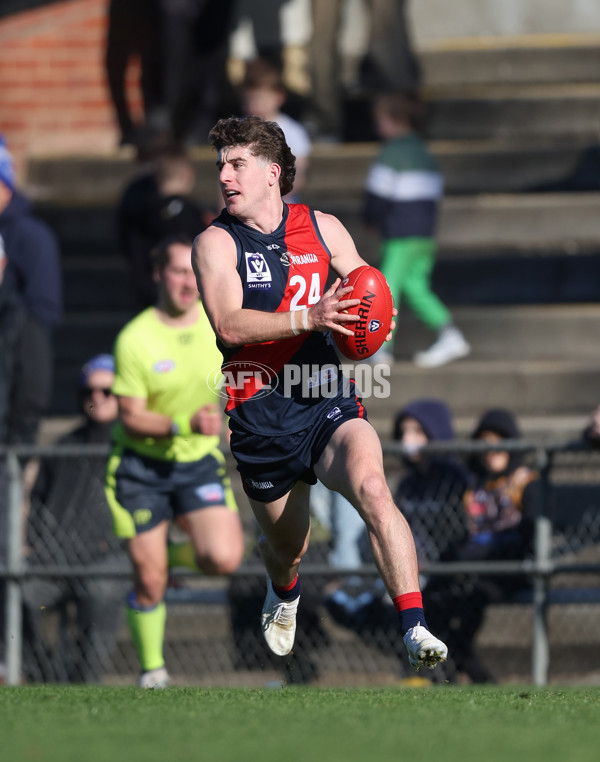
point(156, 204)
point(33, 272)
point(70, 525)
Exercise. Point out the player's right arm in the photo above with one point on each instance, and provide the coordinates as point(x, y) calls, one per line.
point(214, 258)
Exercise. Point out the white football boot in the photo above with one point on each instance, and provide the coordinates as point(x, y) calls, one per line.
point(279, 622)
point(424, 649)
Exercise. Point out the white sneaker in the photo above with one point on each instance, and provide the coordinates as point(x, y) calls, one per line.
point(450, 345)
point(154, 678)
point(424, 648)
point(279, 622)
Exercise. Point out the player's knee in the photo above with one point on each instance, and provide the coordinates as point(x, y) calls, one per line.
point(150, 587)
point(291, 554)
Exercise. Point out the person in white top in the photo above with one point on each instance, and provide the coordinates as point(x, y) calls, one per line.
point(263, 94)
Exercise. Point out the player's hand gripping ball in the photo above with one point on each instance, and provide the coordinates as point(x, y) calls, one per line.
point(374, 311)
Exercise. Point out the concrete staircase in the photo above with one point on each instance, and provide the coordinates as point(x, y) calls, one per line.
point(520, 270)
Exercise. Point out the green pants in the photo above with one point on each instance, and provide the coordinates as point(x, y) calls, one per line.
point(407, 264)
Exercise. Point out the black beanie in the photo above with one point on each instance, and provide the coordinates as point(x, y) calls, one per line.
point(500, 421)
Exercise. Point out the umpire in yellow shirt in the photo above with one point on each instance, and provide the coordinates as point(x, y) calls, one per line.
point(166, 463)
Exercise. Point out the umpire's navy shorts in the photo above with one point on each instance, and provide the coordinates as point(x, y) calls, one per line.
point(143, 492)
point(270, 466)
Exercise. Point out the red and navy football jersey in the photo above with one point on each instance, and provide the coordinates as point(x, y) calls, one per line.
point(279, 387)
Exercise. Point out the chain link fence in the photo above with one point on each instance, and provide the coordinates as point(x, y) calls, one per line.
point(535, 618)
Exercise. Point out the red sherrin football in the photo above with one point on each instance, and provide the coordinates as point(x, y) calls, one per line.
point(374, 310)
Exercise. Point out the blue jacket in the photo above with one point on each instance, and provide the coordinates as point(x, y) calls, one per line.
point(33, 269)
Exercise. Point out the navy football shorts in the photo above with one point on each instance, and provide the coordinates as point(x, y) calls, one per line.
point(142, 492)
point(270, 466)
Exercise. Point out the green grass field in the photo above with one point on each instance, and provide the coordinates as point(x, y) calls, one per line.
point(449, 724)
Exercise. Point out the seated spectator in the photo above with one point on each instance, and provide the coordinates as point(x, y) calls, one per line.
point(263, 94)
point(499, 511)
point(156, 204)
point(500, 525)
point(70, 525)
point(430, 494)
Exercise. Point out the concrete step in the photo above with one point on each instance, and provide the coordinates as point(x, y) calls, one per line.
point(507, 112)
point(92, 282)
point(547, 332)
point(565, 221)
point(468, 166)
point(529, 387)
point(516, 112)
point(534, 389)
point(535, 220)
point(501, 61)
point(83, 334)
point(522, 333)
point(510, 277)
point(539, 360)
point(463, 275)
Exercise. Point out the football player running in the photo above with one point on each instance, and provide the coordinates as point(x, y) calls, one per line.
point(261, 270)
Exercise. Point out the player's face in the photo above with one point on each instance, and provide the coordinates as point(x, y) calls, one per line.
point(99, 403)
point(245, 179)
point(177, 281)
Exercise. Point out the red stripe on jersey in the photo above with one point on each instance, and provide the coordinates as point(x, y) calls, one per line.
point(306, 277)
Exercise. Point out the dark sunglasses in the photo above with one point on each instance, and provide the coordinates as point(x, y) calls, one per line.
point(87, 391)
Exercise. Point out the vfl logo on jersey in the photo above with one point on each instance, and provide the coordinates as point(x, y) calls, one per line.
point(163, 366)
point(374, 325)
point(257, 269)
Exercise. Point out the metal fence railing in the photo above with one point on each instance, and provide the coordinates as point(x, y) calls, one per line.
point(544, 627)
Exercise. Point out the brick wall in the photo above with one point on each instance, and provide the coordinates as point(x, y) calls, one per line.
point(54, 96)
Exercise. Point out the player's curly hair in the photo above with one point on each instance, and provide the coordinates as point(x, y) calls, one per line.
point(265, 139)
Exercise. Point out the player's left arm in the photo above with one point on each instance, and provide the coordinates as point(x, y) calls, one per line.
point(344, 254)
